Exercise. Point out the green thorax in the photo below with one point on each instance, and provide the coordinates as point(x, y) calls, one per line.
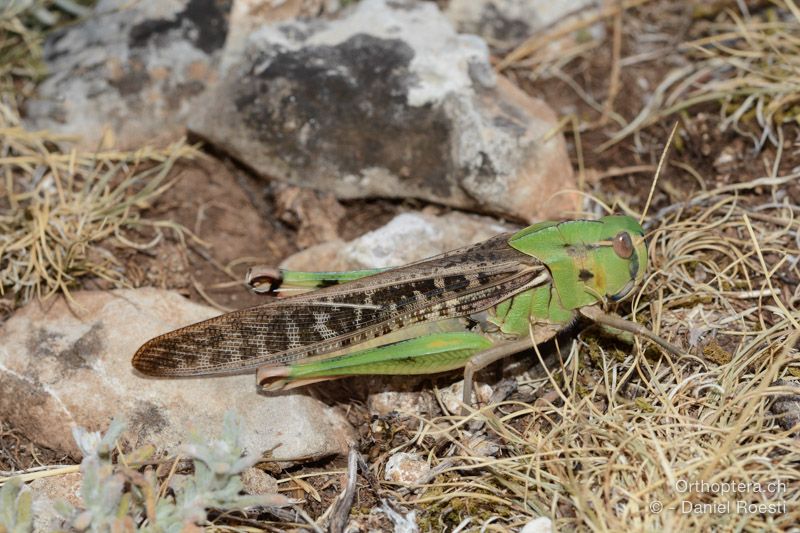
point(538, 305)
point(581, 259)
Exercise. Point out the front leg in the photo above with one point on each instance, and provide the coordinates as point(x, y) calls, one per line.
point(597, 315)
point(485, 358)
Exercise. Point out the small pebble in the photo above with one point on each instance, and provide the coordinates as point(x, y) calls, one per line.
point(405, 468)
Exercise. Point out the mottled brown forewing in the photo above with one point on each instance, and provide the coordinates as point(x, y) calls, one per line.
point(457, 283)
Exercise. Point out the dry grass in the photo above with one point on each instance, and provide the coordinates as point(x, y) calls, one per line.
point(20, 47)
point(63, 211)
point(747, 64)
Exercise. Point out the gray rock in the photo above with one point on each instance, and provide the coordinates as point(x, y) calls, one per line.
point(400, 402)
point(256, 481)
point(541, 524)
point(786, 407)
point(506, 23)
point(248, 15)
point(132, 72)
point(453, 394)
point(47, 493)
point(406, 238)
point(406, 468)
point(58, 369)
point(387, 101)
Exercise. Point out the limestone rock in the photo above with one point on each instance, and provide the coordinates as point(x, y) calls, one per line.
point(406, 468)
point(453, 394)
point(47, 492)
point(506, 23)
point(407, 238)
point(256, 481)
point(541, 524)
point(131, 72)
point(387, 101)
point(401, 402)
point(58, 369)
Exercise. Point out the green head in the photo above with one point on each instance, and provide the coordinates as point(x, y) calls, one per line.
point(588, 259)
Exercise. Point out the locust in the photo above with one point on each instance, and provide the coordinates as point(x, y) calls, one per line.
point(462, 309)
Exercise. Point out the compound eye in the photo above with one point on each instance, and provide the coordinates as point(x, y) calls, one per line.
point(623, 245)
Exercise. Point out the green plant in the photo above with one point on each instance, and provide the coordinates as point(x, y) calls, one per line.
point(15, 508)
point(118, 496)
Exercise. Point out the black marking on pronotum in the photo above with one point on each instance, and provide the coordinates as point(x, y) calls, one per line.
point(585, 275)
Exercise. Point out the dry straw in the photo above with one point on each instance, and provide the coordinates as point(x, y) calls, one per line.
point(748, 66)
point(63, 213)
